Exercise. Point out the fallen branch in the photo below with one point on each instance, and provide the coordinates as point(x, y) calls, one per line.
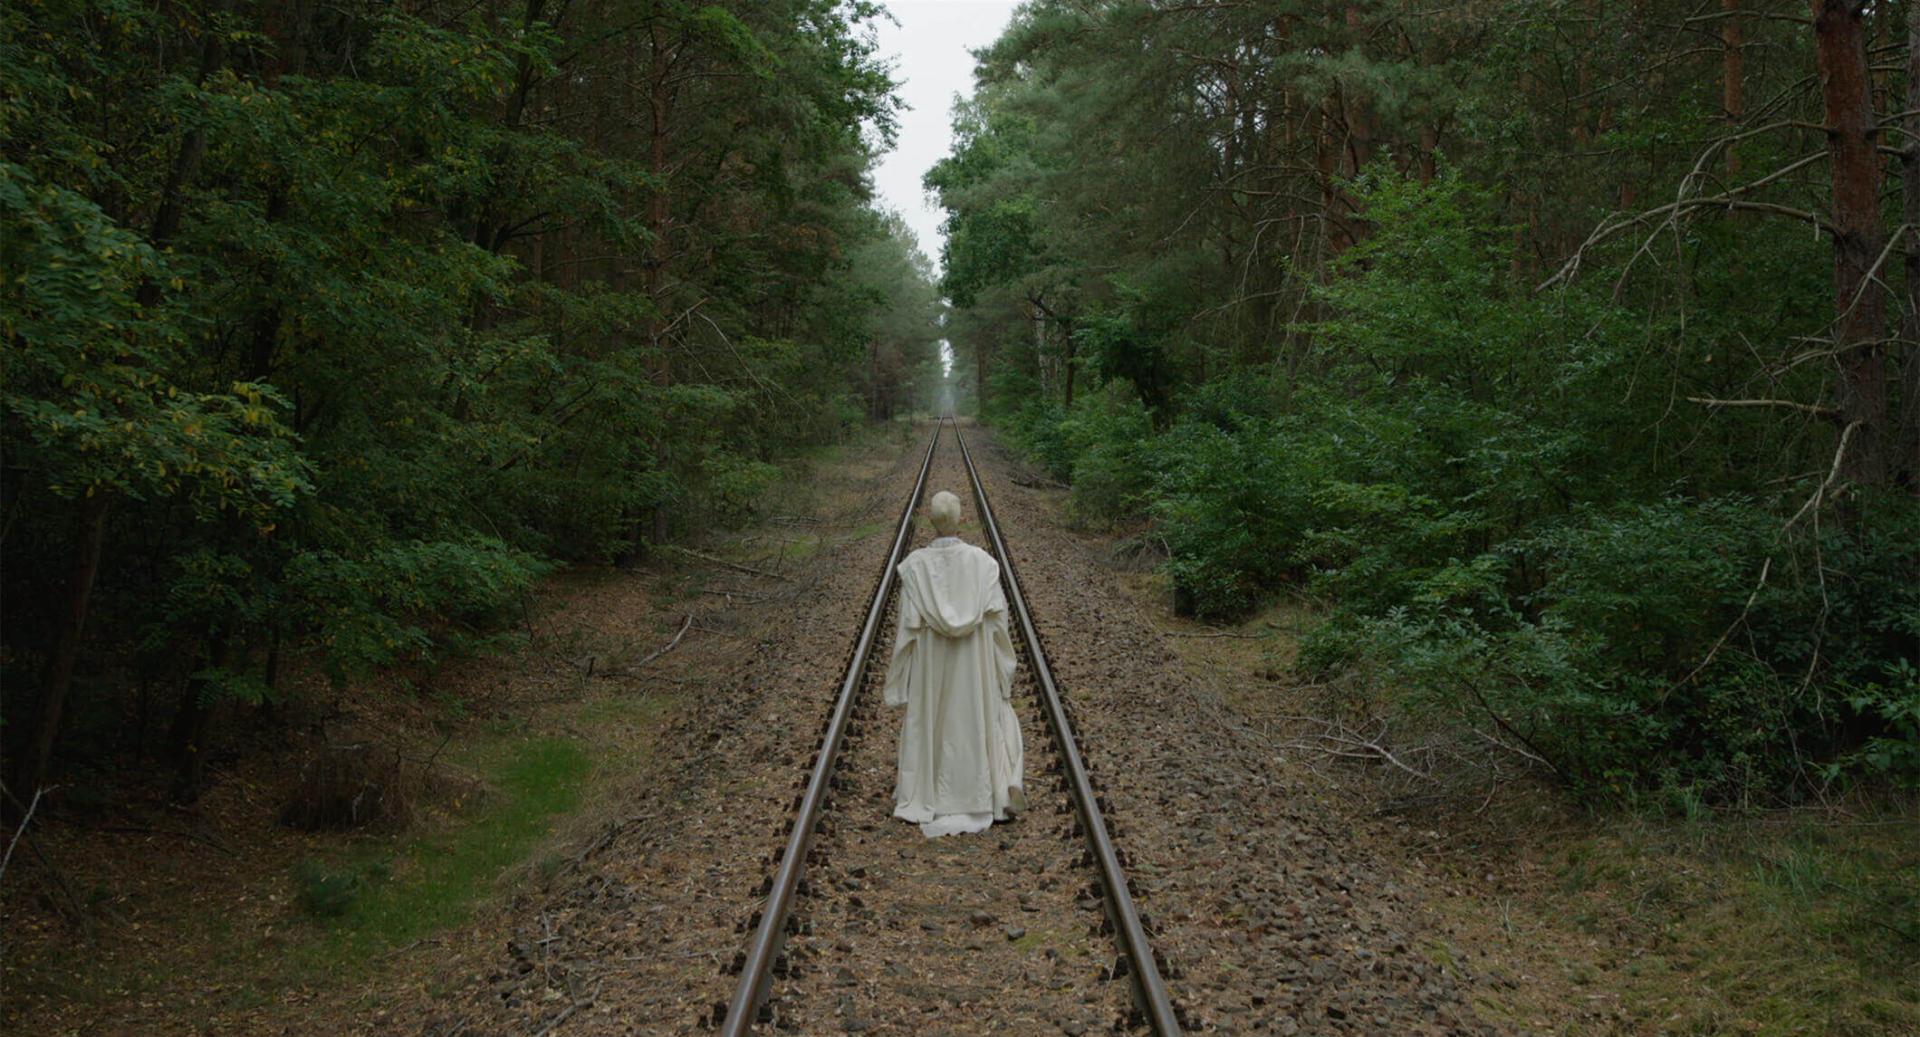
point(608, 833)
point(76, 912)
point(1039, 484)
point(1533, 751)
point(685, 625)
point(567, 1012)
point(1337, 739)
point(193, 837)
point(22, 830)
point(730, 595)
point(722, 561)
point(1365, 748)
point(1213, 633)
point(630, 671)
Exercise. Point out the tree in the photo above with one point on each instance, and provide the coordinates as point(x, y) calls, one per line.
point(1453, 315)
point(339, 326)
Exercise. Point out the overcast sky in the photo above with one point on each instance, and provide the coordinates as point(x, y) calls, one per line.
point(930, 51)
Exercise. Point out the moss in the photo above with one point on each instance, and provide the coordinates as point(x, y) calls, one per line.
point(385, 895)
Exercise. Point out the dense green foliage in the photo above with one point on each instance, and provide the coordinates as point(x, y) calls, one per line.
point(1360, 302)
point(329, 328)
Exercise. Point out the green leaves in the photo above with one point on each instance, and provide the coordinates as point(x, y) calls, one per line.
point(364, 318)
point(95, 398)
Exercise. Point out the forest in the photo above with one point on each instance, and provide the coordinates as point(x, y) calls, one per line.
point(1560, 355)
point(331, 327)
point(1463, 460)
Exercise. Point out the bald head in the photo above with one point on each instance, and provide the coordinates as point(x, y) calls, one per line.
point(944, 510)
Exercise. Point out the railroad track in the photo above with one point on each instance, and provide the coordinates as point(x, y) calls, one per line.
point(849, 847)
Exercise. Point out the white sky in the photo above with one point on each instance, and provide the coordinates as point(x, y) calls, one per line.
point(930, 51)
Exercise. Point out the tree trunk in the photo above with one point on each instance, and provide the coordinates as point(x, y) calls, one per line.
point(1326, 163)
point(1732, 78)
point(190, 727)
point(980, 379)
point(1358, 112)
point(659, 99)
point(1066, 345)
point(90, 533)
point(1038, 320)
point(1907, 449)
point(1859, 300)
point(658, 211)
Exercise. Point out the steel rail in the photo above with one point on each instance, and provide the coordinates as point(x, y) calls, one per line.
point(756, 974)
point(1150, 990)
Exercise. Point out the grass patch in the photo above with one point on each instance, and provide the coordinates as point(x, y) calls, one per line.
point(384, 895)
point(1771, 925)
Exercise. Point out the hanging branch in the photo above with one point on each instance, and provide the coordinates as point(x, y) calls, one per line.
point(1805, 408)
point(1731, 200)
point(22, 830)
point(1833, 476)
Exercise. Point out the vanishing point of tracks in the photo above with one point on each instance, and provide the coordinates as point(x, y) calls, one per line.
point(867, 926)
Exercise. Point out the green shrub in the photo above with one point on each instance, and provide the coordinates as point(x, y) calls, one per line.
point(1110, 437)
point(1499, 541)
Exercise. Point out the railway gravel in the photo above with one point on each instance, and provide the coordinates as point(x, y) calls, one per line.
point(635, 932)
point(1272, 916)
point(986, 934)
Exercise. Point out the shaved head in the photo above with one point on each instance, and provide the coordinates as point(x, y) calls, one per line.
point(944, 510)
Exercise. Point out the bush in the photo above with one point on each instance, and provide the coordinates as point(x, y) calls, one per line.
point(1499, 540)
point(1109, 437)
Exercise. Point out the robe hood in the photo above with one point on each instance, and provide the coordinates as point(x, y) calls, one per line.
point(952, 586)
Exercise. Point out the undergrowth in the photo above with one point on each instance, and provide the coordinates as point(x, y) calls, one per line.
point(1502, 540)
point(381, 895)
point(1775, 924)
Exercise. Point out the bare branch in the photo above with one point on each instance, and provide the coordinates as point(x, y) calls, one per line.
point(1833, 476)
point(1806, 408)
point(22, 830)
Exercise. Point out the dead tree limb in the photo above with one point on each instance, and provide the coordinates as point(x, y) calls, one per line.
point(1805, 408)
point(1833, 476)
point(22, 830)
point(722, 561)
point(685, 625)
point(633, 670)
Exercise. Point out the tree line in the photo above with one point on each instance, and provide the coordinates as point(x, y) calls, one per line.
point(329, 328)
point(1563, 354)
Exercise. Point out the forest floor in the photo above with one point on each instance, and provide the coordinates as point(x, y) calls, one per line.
point(584, 859)
point(122, 914)
point(1663, 916)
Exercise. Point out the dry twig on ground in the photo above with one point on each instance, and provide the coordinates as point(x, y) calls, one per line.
point(768, 573)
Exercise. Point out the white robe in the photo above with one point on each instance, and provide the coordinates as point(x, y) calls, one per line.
point(961, 759)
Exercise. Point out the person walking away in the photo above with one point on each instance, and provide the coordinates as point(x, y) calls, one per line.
point(961, 758)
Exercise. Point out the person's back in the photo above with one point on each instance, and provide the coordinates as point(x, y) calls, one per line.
point(961, 757)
